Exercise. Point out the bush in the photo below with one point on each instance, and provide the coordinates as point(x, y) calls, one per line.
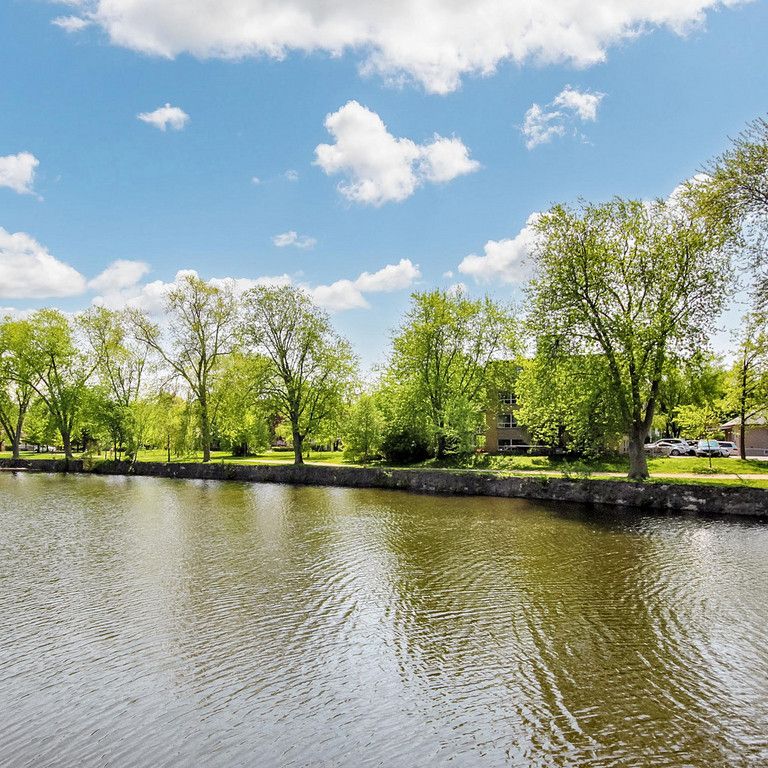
point(405, 446)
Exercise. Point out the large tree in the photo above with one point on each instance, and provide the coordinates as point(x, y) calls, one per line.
point(440, 356)
point(16, 380)
point(53, 363)
point(312, 367)
point(199, 330)
point(122, 364)
point(633, 281)
point(734, 187)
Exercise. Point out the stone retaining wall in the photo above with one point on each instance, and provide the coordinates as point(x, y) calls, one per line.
point(672, 497)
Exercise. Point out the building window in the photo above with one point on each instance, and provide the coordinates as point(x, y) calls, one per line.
point(507, 398)
point(505, 421)
point(504, 444)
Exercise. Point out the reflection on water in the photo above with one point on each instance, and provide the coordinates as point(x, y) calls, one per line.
point(162, 623)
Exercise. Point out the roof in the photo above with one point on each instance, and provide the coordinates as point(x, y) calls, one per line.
point(753, 420)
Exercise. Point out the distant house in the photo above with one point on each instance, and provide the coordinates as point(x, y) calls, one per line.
point(502, 431)
point(756, 437)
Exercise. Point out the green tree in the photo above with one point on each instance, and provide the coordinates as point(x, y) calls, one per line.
point(568, 402)
point(16, 380)
point(199, 331)
point(312, 367)
point(122, 364)
point(241, 413)
point(747, 389)
point(364, 429)
point(52, 363)
point(734, 188)
point(439, 360)
point(635, 282)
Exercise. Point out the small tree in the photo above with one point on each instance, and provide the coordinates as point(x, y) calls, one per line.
point(364, 429)
point(748, 381)
point(702, 421)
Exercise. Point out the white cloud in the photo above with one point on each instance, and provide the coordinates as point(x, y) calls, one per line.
point(570, 106)
point(255, 180)
point(337, 296)
point(119, 275)
point(291, 175)
point(583, 103)
point(348, 294)
point(293, 238)
point(71, 23)
point(504, 261)
point(380, 167)
point(162, 117)
point(430, 41)
point(18, 172)
point(28, 271)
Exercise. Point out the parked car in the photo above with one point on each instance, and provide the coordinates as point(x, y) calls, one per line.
point(733, 449)
point(711, 448)
point(670, 446)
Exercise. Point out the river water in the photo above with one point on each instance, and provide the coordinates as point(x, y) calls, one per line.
point(148, 622)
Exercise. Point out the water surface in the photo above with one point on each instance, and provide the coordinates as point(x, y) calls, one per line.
point(149, 622)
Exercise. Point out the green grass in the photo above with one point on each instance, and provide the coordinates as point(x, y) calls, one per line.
point(695, 469)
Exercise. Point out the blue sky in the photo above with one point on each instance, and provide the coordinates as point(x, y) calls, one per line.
point(108, 186)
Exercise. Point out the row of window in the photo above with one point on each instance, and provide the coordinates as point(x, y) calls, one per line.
point(507, 398)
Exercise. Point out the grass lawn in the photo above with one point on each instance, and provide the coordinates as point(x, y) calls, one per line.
point(696, 470)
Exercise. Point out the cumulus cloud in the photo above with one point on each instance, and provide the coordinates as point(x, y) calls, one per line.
point(433, 43)
point(29, 271)
point(380, 167)
point(17, 172)
point(71, 23)
point(165, 116)
point(291, 175)
point(337, 296)
point(349, 294)
point(569, 107)
point(119, 275)
point(504, 261)
point(293, 238)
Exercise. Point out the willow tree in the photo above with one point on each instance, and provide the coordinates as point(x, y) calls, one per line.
point(632, 281)
point(311, 366)
point(441, 354)
point(198, 330)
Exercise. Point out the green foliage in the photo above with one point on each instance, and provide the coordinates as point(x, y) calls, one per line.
point(440, 356)
point(363, 429)
point(636, 283)
point(406, 445)
point(311, 368)
point(568, 402)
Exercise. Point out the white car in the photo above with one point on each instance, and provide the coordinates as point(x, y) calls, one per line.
point(732, 448)
point(670, 446)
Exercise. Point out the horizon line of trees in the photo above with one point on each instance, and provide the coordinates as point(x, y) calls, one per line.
point(611, 343)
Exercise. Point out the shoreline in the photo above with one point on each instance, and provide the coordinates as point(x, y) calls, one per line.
point(690, 498)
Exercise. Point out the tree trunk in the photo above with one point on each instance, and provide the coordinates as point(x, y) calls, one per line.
point(168, 447)
point(441, 444)
point(66, 440)
point(638, 462)
point(742, 434)
point(205, 429)
point(298, 440)
point(17, 435)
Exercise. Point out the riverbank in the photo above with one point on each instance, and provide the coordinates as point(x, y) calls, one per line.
point(696, 498)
